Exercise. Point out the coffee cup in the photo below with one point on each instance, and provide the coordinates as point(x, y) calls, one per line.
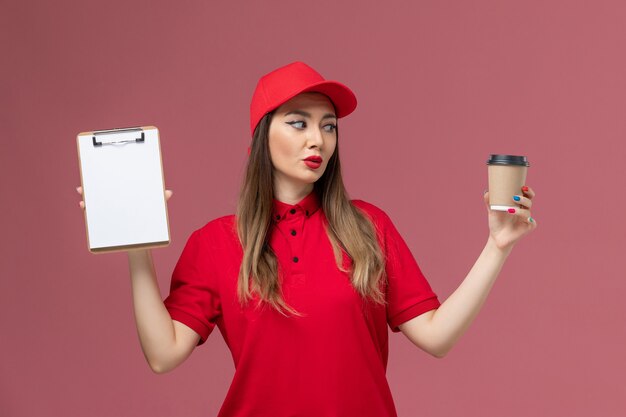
point(507, 175)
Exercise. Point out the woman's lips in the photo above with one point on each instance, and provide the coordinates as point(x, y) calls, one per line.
point(313, 161)
point(313, 164)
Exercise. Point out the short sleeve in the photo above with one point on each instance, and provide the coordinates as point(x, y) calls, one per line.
point(194, 298)
point(408, 292)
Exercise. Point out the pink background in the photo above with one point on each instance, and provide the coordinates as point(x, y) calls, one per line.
point(440, 84)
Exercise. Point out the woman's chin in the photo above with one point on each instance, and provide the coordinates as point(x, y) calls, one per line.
point(307, 178)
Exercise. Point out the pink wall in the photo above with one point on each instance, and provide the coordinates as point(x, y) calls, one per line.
point(441, 85)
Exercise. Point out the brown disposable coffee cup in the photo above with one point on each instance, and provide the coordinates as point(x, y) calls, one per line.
point(507, 175)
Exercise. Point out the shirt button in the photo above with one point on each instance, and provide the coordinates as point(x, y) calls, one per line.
point(278, 217)
point(292, 211)
point(307, 212)
point(293, 233)
point(295, 259)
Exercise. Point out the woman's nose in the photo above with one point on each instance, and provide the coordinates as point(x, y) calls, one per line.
point(316, 137)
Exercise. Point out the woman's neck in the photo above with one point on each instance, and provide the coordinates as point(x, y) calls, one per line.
point(292, 194)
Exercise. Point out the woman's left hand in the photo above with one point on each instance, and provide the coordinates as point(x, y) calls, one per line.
point(507, 228)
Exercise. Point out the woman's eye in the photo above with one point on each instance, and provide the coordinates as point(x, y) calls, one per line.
point(330, 127)
point(298, 124)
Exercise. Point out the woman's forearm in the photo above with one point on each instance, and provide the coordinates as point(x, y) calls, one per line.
point(154, 324)
point(457, 312)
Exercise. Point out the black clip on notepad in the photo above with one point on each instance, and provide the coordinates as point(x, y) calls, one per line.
point(118, 131)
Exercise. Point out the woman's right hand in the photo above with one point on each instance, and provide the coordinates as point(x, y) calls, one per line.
point(79, 190)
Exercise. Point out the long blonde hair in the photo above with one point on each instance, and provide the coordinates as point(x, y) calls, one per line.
point(348, 229)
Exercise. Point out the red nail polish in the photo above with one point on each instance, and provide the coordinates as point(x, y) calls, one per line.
point(524, 188)
point(511, 210)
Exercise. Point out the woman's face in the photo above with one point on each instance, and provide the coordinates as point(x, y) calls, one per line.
point(302, 127)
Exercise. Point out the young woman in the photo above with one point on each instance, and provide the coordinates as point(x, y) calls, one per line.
point(303, 282)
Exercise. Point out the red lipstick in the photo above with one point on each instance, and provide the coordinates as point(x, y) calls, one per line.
point(313, 162)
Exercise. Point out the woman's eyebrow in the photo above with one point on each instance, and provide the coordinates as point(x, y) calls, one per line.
point(306, 114)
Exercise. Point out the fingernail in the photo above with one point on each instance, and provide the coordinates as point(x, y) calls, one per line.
point(516, 198)
point(485, 192)
point(530, 219)
point(524, 188)
point(511, 210)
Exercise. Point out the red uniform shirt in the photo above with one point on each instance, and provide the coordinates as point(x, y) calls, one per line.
point(330, 362)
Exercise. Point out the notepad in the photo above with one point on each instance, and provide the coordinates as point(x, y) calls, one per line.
point(123, 189)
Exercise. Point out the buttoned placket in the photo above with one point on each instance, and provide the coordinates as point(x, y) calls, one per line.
point(291, 228)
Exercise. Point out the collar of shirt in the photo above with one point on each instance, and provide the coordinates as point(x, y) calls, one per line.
point(307, 206)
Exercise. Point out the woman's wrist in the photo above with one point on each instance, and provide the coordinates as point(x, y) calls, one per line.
point(493, 246)
point(138, 253)
point(140, 260)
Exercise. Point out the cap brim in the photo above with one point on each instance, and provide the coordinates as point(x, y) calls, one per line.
point(342, 97)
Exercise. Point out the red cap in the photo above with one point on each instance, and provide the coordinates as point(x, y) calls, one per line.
point(284, 83)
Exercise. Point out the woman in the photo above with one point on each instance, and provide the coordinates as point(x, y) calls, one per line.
point(303, 282)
